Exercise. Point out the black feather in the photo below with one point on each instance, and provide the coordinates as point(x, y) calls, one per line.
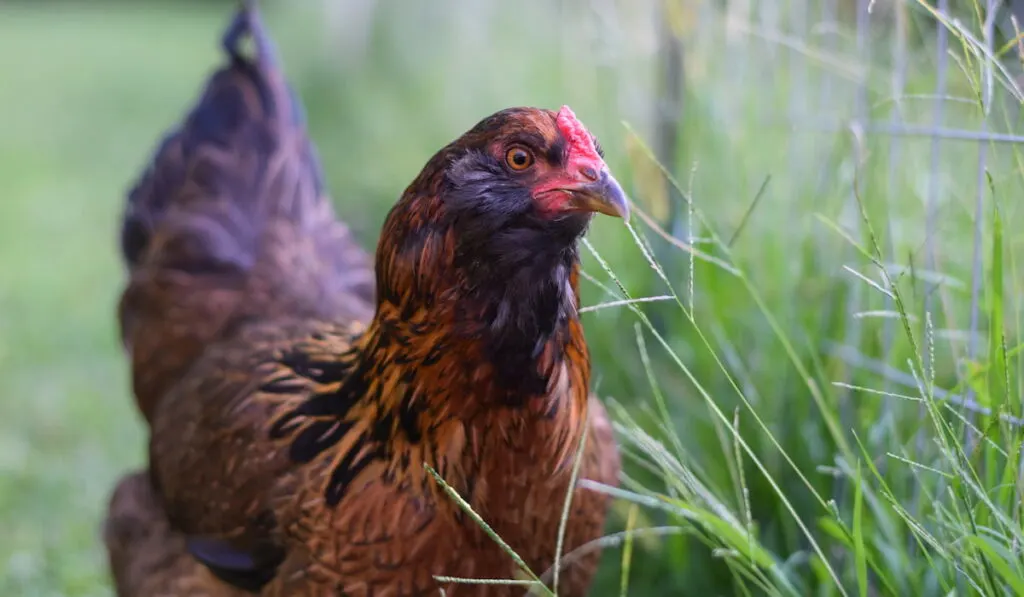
point(518, 263)
point(247, 570)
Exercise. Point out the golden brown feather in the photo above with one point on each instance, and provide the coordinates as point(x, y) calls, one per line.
point(293, 402)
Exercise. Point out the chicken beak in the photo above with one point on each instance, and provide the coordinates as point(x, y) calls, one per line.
point(604, 195)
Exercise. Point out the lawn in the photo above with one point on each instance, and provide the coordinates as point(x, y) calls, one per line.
point(790, 449)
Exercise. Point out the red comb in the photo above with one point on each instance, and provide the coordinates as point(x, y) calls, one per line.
point(581, 145)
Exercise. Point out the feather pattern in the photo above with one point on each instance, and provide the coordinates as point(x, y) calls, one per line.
point(294, 392)
point(232, 205)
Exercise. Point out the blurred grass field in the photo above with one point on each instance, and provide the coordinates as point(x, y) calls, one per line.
point(774, 505)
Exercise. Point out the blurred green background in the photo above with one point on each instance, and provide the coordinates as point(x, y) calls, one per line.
point(748, 105)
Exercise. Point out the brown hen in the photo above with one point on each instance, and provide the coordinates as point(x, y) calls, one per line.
point(294, 400)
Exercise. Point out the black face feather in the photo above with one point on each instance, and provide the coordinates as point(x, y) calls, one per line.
point(517, 264)
point(496, 221)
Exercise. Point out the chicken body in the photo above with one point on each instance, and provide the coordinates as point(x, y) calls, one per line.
point(296, 394)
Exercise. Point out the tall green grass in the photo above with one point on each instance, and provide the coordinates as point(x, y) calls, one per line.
point(884, 465)
point(793, 421)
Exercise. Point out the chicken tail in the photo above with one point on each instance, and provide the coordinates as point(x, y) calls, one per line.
point(212, 162)
point(231, 221)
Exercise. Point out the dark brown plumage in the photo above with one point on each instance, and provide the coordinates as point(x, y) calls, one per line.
point(146, 556)
point(293, 398)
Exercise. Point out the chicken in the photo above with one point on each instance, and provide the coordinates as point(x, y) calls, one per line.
point(296, 394)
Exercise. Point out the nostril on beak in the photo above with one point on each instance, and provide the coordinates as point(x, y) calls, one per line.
point(589, 173)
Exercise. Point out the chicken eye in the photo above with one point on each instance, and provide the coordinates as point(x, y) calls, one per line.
point(518, 158)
